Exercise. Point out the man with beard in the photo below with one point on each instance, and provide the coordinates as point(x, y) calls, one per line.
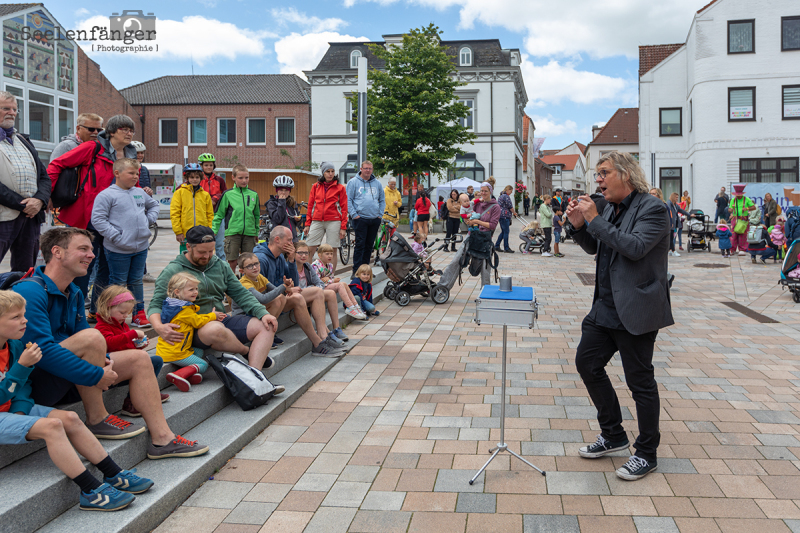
point(255, 326)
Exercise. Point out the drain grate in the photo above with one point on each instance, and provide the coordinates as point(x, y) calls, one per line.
point(586, 279)
point(746, 311)
point(711, 265)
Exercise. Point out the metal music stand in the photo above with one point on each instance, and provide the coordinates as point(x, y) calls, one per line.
point(509, 306)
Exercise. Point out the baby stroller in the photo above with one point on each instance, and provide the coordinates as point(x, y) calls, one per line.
point(407, 273)
point(699, 237)
point(790, 263)
point(537, 240)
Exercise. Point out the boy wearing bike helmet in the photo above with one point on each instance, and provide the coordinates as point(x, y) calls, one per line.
point(215, 186)
point(190, 205)
point(282, 207)
point(239, 208)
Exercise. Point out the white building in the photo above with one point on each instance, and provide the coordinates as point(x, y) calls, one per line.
point(621, 133)
point(494, 90)
point(723, 107)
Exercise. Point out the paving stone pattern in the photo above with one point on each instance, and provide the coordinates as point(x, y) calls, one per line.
point(388, 439)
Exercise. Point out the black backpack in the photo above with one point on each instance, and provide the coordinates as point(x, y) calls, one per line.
point(248, 386)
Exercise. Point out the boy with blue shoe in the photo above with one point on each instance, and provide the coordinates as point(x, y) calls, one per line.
point(21, 421)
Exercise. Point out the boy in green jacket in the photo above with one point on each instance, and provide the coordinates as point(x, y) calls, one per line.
point(240, 210)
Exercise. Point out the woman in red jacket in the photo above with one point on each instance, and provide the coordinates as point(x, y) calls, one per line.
point(327, 212)
point(112, 143)
point(423, 208)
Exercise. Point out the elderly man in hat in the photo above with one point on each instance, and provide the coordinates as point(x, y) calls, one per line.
point(740, 207)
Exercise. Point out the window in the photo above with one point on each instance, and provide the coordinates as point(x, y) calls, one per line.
point(284, 130)
point(741, 104)
point(670, 121)
point(670, 181)
point(790, 33)
point(469, 121)
point(352, 114)
point(40, 116)
point(768, 170)
point(354, 55)
point(226, 131)
point(556, 170)
point(197, 131)
point(742, 36)
point(256, 131)
point(168, 132)
point(18, 92)
point(791, 102)
point(66, 117)
point(465, 57)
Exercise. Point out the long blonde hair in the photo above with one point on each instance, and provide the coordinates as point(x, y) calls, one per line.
point(531, 225)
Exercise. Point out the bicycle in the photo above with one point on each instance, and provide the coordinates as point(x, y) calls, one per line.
point(153, 234)
point(346, 243)
point(264, 228)
point(385, 233)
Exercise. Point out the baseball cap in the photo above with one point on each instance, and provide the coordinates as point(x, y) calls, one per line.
point(199, 235)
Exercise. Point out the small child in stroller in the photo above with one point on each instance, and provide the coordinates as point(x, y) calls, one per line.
point(527, 234)
point(419, 249)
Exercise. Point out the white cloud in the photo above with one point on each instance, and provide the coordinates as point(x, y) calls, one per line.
point(297, 52)
point(550, 127)
point(600, 29)
point(81, 12)
point(173, 39)
point(286, 16)
point(554, 82)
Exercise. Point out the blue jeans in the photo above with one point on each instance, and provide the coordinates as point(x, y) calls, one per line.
point(505, 230)
point(101, 276)
point(365, 305)
point(219, 247)
point(128, 269)
point(765, 254)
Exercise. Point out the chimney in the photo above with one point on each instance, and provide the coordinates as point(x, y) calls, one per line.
point(595, 130)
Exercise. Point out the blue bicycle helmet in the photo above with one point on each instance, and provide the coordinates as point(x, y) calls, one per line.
point(192, 167)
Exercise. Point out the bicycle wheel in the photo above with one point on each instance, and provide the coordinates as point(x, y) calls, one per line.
point(153, 234)
point(344, 248)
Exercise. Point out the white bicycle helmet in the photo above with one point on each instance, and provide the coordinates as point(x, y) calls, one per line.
point(283, 181)
point(140, 147)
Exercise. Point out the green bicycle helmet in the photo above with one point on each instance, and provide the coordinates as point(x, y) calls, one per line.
point(207, 158)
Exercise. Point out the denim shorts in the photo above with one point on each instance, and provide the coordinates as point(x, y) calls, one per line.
point(235, 323)
point(557, 237)
point(14, 428)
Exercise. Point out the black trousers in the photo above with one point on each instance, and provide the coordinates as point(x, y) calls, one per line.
point(365, 229)
point(21, 237)
point(598, 344)
point(453, 226)
point(548, 238)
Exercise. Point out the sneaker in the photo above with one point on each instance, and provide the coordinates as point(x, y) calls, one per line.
point(558, 255)
point(105, 498)
point(279, 389)
point(354, 312)
point(742, 252)
point(148, 278)
point(129, 410)
point(676, 254)
point(128, 481)
point(602, 447)
point(333, 340)
point(276, 341)
point(140, 320)
point(341, 334)
point(323, 349)
point(753, 259)
point(179, 447)
point(509, 251)
point(115, 428)
point(763, 261)
point(636, 468)
point(680, 248)
point(376, 313)
point(547, 254)
point(91, 318)
point(526, 252)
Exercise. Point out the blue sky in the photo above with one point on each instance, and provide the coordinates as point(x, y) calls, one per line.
point(581, 58)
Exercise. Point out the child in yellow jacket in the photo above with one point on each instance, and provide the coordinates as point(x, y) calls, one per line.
point(191, 205)
point(179, 309)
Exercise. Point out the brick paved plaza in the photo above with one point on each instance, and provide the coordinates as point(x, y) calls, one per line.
point(388, 439)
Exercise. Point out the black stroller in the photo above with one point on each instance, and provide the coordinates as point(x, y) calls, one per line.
point(407, 273)
point(699, 236)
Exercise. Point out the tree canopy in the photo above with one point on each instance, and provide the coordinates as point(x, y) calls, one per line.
point(414, 123)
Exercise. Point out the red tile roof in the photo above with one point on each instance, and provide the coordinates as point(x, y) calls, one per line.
point(622, 128)
point(652, 55)
point(567, 161)
point(706, 6)
point(581, 147)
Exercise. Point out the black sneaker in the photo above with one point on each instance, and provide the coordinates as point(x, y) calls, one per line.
point(636, 468)
point(602, 447)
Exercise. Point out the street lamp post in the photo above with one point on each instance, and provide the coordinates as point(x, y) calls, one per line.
point(362, 109)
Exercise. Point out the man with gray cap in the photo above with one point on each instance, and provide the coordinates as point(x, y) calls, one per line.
point(327, 211)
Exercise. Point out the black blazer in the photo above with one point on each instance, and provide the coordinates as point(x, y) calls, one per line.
point(638, 262)
point(11, 199)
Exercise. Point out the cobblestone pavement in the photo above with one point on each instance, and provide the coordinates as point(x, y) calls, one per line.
point(387, 440)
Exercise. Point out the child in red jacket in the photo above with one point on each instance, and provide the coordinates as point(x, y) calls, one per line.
point(114, 305)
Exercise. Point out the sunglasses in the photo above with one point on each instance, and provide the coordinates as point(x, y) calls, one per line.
point(90, 130)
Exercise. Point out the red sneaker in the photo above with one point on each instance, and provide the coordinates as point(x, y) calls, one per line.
point(140, 320)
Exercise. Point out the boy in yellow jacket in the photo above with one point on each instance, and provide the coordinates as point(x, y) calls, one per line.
point(179, 309)
point(191, 205)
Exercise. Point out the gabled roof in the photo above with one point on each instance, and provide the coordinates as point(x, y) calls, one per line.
point(485, 53)
point(581, 147)
point(621, 128)
point(652, 55)
point(567, 161)
point(706, 6)
point(220, 89)
point(7, 9)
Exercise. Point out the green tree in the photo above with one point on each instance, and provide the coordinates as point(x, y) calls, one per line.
point(414, 123)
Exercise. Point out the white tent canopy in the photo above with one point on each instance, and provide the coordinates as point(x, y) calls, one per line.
point(460, 185)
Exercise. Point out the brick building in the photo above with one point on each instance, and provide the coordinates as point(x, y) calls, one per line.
point(248, 119)
point(544, 177)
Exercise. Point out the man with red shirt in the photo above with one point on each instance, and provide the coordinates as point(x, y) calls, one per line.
point(215, 186)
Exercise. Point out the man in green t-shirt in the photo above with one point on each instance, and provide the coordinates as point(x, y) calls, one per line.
point(740, 209)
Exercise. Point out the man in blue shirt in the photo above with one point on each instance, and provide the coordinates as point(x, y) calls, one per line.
point(366, 203)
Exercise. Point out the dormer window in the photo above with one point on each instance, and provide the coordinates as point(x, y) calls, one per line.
point(354, 55)
point(465, 57)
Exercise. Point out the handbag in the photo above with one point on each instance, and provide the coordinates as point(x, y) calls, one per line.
point(249, 386)
point(741, 226)
point(754, 235)
point(69, 186)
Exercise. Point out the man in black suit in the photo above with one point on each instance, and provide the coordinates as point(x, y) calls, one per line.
point(631, 303)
